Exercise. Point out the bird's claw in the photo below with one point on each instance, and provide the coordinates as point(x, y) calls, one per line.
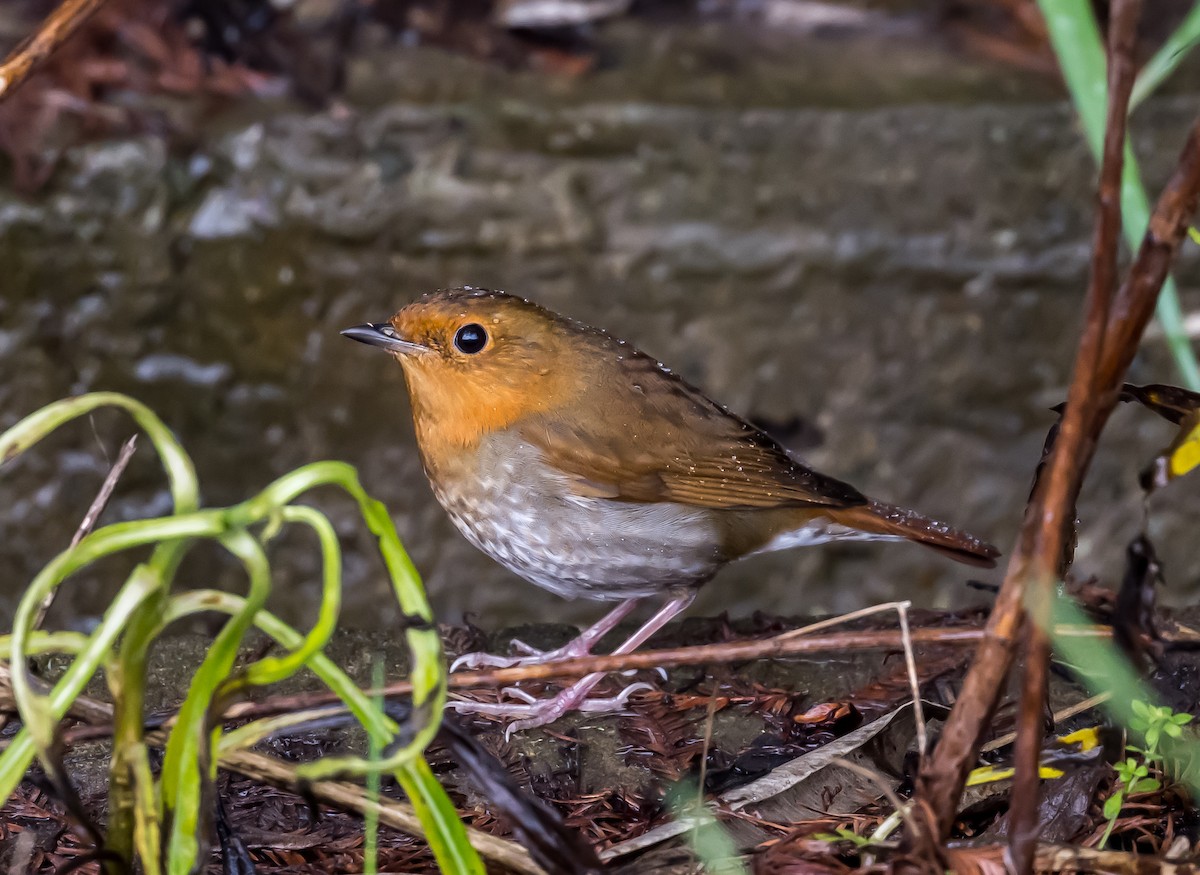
point(613, 703)
point(530, 655)
point(533, 712)
point(472, 661)
point(526, 650)
point(518, 693)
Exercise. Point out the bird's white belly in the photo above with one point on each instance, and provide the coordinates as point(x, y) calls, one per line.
point(525, 518)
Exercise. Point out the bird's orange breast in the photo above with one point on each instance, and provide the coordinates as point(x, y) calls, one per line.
point(452, 416)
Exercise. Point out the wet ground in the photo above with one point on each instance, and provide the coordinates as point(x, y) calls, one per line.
point(864, 236)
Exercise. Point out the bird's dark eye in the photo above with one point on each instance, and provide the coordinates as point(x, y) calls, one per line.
point(470, 338)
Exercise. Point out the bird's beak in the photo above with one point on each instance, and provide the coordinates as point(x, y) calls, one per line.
point(382, 334)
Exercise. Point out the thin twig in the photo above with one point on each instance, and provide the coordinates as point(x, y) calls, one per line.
point(311, 706)
point(55, 30)
point(709, 716)
point(840, 619)
point(93, 513)
point(901, 609)
point(910, 664)
point(697, 654)
point(1072, 858)
point(106, 490)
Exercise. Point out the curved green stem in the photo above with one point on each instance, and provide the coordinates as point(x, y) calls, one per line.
point(276, 668)
point(1169, 56)
point(181, 473)
point(17, 756)
point(428, 671)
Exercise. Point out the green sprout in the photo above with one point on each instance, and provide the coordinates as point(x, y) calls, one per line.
point(1154, 723)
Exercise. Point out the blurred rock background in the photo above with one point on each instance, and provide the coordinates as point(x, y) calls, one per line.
point(864, 226)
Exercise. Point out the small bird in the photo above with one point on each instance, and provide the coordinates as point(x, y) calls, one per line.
point(591, 470)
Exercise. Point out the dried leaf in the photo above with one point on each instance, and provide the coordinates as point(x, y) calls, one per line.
point(1170, 402)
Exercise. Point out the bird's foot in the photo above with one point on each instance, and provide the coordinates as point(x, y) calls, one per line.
point(529, 655)
point(532, 712)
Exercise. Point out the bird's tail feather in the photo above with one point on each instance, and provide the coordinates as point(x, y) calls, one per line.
point(888, 520)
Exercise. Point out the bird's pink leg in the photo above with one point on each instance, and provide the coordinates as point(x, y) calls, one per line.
point(581, 645)
point(538, 713)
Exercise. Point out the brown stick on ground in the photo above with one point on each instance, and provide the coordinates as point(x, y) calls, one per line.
point(1052, 511)
point(55, 30)
point(780, 646)
point(940, 783)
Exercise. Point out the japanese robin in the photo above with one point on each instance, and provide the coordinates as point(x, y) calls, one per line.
point(593, 471)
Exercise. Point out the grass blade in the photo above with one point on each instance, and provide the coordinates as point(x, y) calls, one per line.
point(1169, 56)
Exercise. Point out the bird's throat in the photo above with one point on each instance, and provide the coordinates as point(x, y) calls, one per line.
point(455, 415)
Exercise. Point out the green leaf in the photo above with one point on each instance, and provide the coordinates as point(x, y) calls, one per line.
point(189, 761)
point(1112, 805)
point(444, 830)
point(1146, 785)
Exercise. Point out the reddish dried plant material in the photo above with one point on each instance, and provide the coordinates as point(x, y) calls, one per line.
point(894, 687)
point(668, 742)
point(825, 714)
point(133, 45)
point(799, 853)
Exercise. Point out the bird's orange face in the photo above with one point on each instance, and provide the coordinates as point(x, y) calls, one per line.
point(476, 362)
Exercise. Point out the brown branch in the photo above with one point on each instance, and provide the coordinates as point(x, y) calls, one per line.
point(708, 654)
point(1053, 510)
point(940, 784)
point(55, 30)
point(1136, 299)
point(779, 646)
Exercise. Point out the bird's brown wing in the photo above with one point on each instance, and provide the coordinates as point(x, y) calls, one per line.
point(654, 437)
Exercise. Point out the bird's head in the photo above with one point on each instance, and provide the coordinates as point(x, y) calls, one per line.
point(478, 360)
